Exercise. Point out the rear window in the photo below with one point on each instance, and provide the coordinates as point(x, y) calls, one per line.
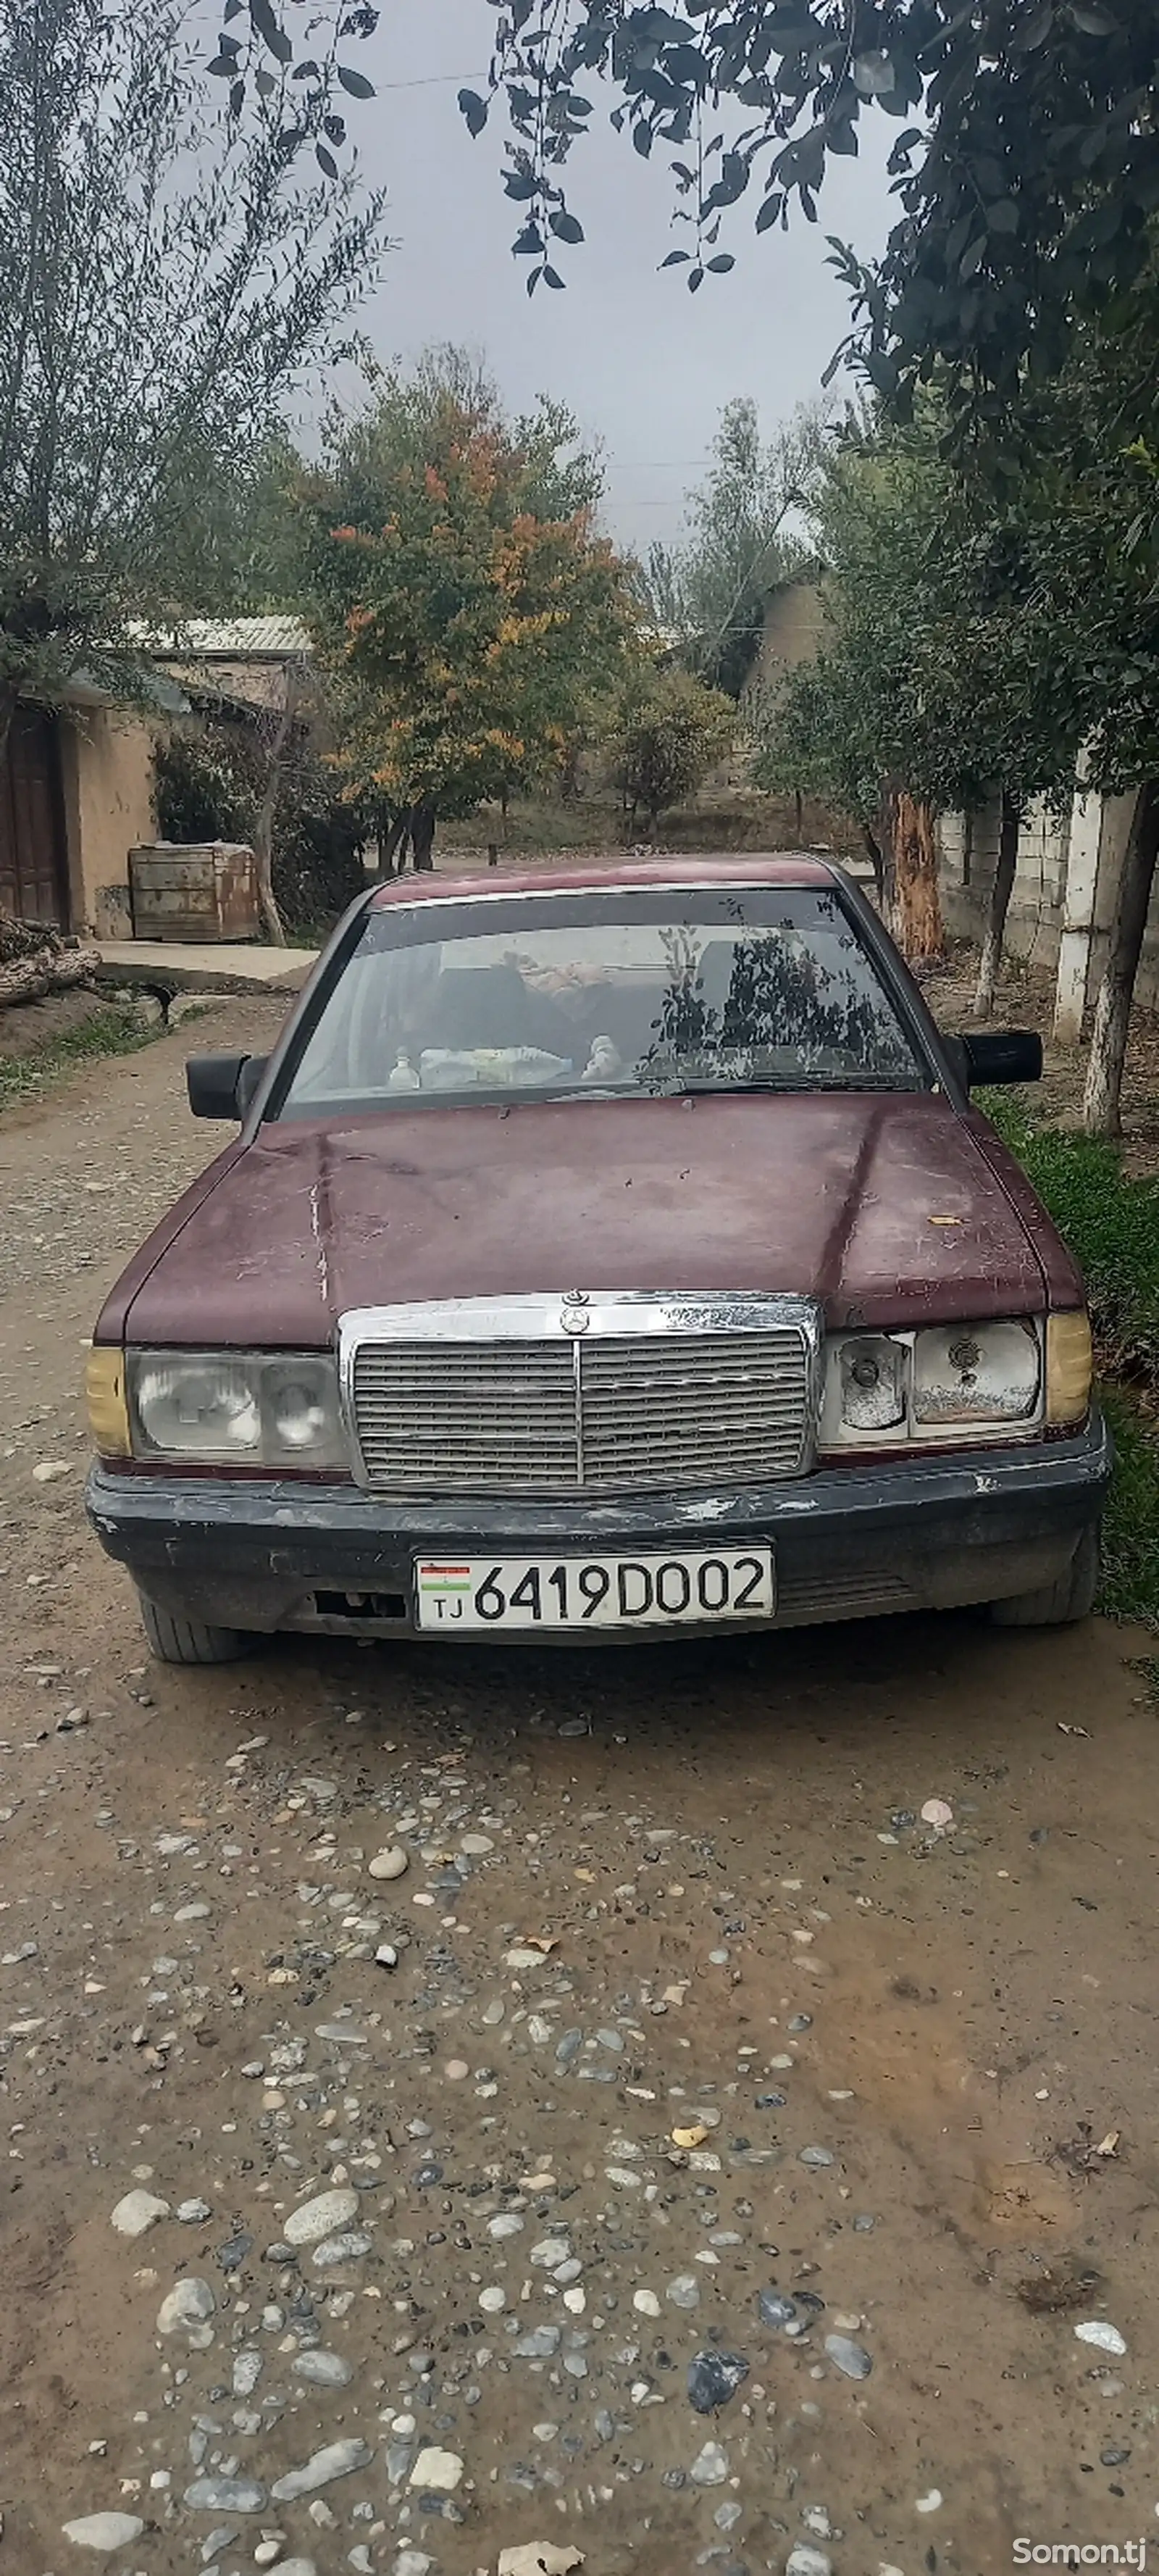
point(618, 995)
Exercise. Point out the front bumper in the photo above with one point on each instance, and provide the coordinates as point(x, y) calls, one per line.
point(918, 1534)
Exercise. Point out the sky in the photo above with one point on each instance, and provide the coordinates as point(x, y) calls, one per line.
point(645, 366)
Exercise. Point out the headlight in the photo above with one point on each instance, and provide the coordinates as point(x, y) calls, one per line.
point(239, 1408)
point(975, 1373)
point(885, 1390)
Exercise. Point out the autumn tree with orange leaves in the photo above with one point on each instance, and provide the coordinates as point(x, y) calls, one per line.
point(471, 620)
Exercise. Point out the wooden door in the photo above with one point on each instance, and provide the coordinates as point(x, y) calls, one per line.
point(33, 855)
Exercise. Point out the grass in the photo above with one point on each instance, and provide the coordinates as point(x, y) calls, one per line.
point(1112, 1226)
point(111, 1029)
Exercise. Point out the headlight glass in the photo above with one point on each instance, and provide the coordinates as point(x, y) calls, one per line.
point(885, 1390)
point(873, 1383)
point(236, 1408)
point(975, 1373)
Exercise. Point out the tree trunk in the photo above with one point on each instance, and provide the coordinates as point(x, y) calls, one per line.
point(876, 861)
point(424, 816)
point(1101, 1099)
point(8, 704)
point(917, 911)
point(389, 846)
point(798, 812)
point(264, 827)
point(1000, 894)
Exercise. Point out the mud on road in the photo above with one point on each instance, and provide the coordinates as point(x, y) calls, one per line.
point(675, 2003)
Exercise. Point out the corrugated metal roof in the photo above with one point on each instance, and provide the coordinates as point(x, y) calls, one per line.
point(234, 639)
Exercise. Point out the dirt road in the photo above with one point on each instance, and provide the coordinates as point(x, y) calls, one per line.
point(689, 2007)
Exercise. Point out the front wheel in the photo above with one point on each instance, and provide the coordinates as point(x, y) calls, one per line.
point(189, 1641)
point(1056, 1605)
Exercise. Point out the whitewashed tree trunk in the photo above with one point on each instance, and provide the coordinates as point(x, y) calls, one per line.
point(1104, 1086)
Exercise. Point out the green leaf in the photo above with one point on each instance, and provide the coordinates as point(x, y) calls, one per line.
point(355, 84)
point(325, 160)
point(222, 67)
point(1003, 217)
point(1091, 20)
point(567, 228)
point(265, 84)
point(676, 259)
point(474, 110)
point(271, 31)
point(551, 277)
point(720, 266)
point(642, 138)
point(769, 212)
point(696, 278)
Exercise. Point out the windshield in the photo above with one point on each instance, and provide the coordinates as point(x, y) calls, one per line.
point(747, 989)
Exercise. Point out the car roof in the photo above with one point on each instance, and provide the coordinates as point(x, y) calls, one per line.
point(713, 868)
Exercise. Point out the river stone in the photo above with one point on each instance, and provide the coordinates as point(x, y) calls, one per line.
point(684, 2291)
point(714, 2377)
point(852, 2358)
point(436, 2472)
point(336, 2461)
point(137, 2211)
point(803, 2561)
point(323, 2369)
point(104, 2531)
point(325, 2216)
point(187, 2310)
point(710, 2467)
point(390, 1864)
point(225, 2495)
point(347, 2248)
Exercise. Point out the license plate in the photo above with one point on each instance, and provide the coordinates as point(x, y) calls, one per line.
point(575, 1592)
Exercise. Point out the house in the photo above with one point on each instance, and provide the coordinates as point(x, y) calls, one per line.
point(76, 781)
point(792, 631)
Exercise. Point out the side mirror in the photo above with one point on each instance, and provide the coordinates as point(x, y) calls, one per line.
point(223, 1086)
point(1009, 1055)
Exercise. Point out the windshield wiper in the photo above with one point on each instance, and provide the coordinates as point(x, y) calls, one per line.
point(699, 1089)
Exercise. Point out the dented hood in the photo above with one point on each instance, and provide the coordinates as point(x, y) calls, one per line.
point(892, 1209)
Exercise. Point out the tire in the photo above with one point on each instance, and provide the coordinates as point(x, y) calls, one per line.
point(1057, 1605)
point(189, 1641)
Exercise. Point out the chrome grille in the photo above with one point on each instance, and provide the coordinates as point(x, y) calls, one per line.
point(691, 1409)
point(467, 1417)
point(645, 1402)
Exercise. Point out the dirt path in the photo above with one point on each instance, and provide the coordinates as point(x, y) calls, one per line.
point(891, 2056)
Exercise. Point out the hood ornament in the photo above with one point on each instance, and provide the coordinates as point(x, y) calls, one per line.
point(575, 1317)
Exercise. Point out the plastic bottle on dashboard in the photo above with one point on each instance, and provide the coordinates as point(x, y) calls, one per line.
point(403, 1076)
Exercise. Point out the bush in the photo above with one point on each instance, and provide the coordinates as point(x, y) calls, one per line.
point(671, 733)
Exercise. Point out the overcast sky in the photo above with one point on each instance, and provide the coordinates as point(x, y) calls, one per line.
point(644, 365)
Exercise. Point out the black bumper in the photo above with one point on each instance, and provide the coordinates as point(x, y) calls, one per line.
point(849, 1542)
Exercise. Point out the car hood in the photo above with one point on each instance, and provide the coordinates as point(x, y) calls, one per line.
point(891, 1209)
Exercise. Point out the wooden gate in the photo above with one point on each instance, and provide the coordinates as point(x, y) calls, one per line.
point(33, 851)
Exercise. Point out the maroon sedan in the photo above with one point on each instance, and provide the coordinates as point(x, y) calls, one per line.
point(611, 1250)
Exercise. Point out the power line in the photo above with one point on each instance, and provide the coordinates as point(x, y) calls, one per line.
point(435, 80)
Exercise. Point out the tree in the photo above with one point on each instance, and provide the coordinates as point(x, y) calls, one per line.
point(470, 617)
point(712, 588)
point(672, 731)
point(165, 280)
point(940, 684)
point(1026, 163)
